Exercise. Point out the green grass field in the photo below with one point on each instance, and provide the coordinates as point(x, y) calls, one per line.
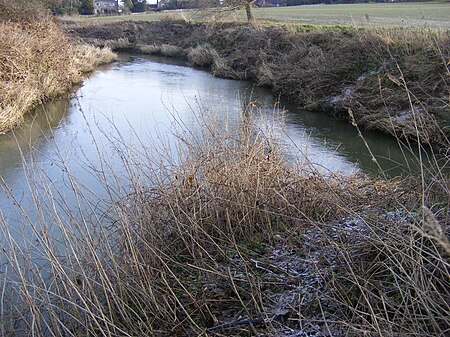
point(419, 14)
point(436, 15)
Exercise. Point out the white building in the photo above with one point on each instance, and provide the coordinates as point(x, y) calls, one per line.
point(105, 6)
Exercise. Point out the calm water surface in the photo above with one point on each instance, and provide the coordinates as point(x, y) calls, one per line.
point(141, 100)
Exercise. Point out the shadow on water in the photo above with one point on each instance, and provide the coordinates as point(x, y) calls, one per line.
point(32, 133)
point(389, 154)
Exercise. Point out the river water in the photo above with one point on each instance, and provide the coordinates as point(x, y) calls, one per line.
point(140, 100)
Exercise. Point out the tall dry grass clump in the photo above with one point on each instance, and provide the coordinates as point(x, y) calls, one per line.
point(37, 61)
point(412, 82)
point(227, 238)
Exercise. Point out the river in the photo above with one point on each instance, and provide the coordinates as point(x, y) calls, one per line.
point(141, 100)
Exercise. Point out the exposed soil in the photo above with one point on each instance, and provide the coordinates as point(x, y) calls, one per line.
point(393, 80)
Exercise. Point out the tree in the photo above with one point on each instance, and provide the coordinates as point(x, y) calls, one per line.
point(53, 5)
point(135, 6)
point(60, 7)
point(87, 7)
point(238, 4)
point(248, 9)
point(139, 6)
point(128, 5)
point(224, 5)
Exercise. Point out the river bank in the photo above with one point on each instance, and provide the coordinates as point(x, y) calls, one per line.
point(38, 61)
point(393, 80)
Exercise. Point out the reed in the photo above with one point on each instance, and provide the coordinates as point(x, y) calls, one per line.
point(38, 61)
point(219, 234)
point(225, 237)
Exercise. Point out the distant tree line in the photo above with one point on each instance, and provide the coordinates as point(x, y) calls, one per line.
point(181, 4)
point(67, 7)
point(71, 7)
point(316, 2)
point(62, 7)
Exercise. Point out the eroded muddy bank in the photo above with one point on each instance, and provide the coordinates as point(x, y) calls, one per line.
point(393, 80)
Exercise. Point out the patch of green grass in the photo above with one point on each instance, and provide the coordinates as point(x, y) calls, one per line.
point(256, 246)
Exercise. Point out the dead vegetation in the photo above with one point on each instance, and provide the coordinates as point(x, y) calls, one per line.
point(37, 62)
point(229, 239)
point(384, 274)
point(393, 79)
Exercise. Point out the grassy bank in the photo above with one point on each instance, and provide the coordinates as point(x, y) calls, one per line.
point(37, 61)
point(393, 80)
point(227, 238)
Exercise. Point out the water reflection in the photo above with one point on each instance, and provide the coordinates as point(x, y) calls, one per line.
point(31, 135)
point(391, 156)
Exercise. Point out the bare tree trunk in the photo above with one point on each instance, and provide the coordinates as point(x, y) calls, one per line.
point(248, 10)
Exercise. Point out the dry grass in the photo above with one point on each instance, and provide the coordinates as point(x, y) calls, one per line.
point(164, 50)
point(203, 56)
point(37, 62)
point(207, 57)
point(225, 237)
point(228, 238)
point(393, 275)
point(415, 63)
point(88, 57)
